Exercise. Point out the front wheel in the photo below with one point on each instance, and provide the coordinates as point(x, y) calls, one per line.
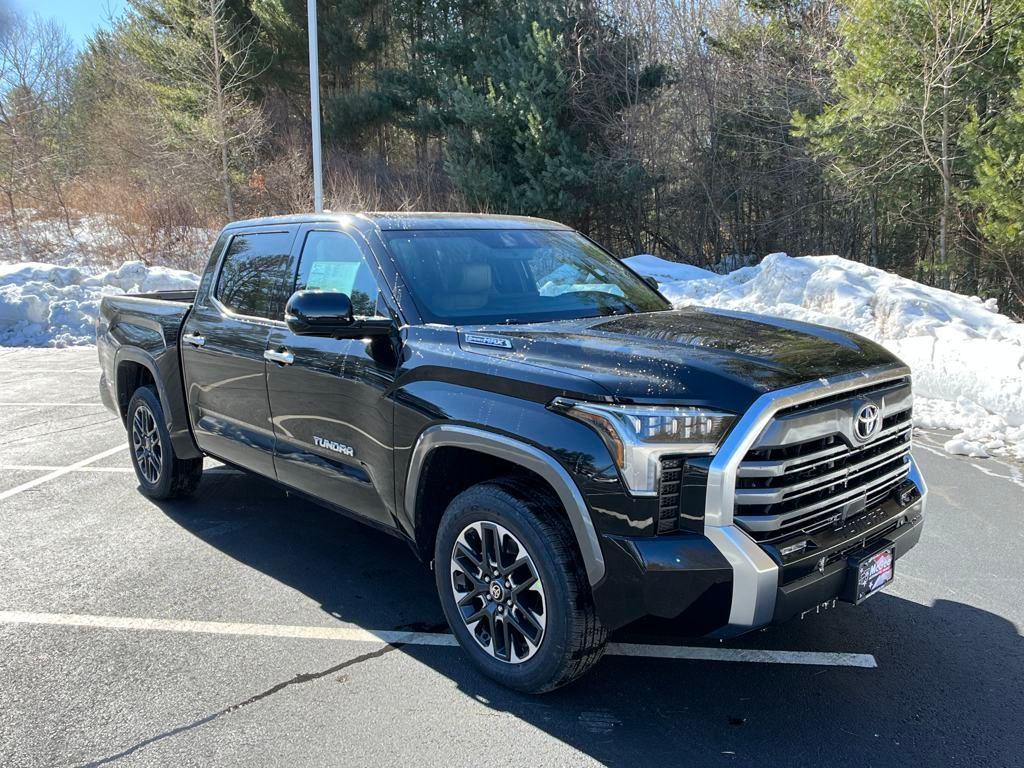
point(514, 589)
point(161, 474)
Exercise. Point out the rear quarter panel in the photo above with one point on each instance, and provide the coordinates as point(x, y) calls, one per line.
point(145, 330)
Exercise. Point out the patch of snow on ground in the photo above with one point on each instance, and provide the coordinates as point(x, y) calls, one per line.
point(967, 359)
point(50, 305)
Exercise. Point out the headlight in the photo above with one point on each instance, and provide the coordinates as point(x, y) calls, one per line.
point(638, 435)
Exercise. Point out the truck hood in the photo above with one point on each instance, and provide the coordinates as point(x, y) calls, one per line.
point(693, 355)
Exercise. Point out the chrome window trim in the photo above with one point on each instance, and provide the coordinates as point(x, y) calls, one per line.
point(755, 579)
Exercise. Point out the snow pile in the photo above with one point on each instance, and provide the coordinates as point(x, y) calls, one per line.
point(50, 305)
point(967, 359)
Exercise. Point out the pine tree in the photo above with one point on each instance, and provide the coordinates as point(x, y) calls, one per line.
point(198, 67)
point(530, 125)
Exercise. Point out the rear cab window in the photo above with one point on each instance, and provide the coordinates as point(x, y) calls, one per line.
point(255, 274)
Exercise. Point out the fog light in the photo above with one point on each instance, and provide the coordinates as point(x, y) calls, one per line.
point(792, 549)
point(907, 494)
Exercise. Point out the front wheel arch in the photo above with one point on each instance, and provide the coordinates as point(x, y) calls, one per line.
point(524, 459)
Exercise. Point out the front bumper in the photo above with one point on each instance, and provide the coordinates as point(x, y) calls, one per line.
point(727, 582)
point(823, 587)
point(724, 584)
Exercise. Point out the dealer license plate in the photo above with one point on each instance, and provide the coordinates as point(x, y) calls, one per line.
point(874, 572)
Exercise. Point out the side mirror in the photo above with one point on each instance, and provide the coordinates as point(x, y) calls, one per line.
point(652, 282)
point(320, 313)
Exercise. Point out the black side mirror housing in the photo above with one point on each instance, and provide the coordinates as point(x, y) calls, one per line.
point(652, 282)
point(323, 313)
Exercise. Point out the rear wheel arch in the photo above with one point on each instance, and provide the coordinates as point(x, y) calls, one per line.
point(132, 374)
point(476, 456)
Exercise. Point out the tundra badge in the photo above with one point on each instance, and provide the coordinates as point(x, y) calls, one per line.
point(330, 445)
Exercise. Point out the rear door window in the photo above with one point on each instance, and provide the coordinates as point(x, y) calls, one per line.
point(254, 275)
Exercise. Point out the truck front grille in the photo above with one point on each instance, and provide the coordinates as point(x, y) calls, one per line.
point(808, 470)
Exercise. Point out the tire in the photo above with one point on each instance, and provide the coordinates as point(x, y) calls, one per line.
point(161, 474)
point(571, 638)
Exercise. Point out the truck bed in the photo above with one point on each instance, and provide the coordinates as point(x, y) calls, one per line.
point(160, 304)
point(151, 321)
point(137, 339)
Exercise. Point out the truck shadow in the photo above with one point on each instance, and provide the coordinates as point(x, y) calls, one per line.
point(949, 687)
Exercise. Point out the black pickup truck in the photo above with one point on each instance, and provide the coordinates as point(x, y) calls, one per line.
point(534, 419)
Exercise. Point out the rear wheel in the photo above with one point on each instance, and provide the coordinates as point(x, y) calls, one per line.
point(161, 474)
point(514, 589)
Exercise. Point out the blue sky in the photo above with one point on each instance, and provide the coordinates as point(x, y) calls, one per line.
point(79, 17)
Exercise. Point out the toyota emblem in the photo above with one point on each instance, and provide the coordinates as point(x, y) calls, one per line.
point(867, 422)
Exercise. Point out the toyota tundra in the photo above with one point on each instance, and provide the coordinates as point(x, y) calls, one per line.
point(567, 451)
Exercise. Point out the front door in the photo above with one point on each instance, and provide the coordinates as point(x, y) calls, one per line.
point(222, 348)
point(332, 419)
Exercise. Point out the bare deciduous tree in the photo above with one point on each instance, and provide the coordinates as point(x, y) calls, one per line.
point(35, 66)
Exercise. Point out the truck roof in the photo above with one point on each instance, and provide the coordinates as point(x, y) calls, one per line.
point(408, 220)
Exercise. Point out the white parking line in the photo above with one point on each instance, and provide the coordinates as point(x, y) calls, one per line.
point(60, 472)
point(359, 635)
point(125, 470)
point(50, 405)
point(49, 468)
point(19, 371)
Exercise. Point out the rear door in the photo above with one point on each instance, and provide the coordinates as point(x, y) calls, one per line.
point(332, 418)
point(223, 342)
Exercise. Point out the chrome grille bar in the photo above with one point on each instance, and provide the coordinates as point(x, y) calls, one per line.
point(821, 482)
point(816, 459)
point(806, 467)
point(831, 504)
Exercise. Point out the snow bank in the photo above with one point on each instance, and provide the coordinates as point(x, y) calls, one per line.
point(967, 359)
point(49, 305)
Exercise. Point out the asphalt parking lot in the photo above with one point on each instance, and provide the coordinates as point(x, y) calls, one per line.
point(246, 627)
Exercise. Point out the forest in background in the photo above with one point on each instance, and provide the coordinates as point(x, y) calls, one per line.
point(889, 132)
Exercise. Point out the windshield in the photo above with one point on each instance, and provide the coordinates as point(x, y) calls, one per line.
point(468, 277)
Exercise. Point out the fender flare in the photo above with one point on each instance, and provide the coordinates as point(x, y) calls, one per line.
point(176, 414)
point(525, 455)
point(135, 355)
